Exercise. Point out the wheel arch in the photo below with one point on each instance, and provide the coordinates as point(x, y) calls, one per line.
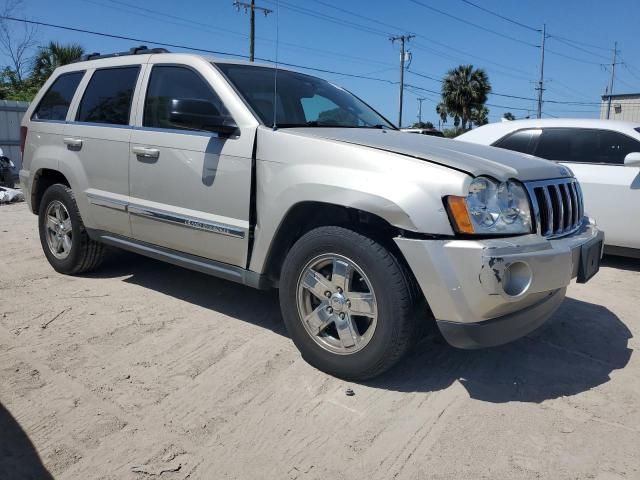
point(307, 215)
point(42, 180)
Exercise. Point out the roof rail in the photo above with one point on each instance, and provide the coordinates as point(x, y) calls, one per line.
point(140, 50)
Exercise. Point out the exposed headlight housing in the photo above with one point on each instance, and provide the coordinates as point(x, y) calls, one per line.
point(491, 207)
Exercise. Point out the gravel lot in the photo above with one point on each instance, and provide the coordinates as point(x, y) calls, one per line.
point(145, 370)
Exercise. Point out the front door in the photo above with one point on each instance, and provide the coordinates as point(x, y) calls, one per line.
point(190, 189)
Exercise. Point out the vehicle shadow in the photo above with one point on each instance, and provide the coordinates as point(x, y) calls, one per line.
point(574, 351)
point(622, 263)
point(259, 307)
point(19, 459)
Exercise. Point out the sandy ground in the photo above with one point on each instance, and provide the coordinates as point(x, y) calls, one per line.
point(145, 370)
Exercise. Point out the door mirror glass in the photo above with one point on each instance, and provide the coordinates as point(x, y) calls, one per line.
point(196, 114)
point(632, 159)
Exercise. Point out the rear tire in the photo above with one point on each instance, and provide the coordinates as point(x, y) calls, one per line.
point(358, 301)
point(64, 239)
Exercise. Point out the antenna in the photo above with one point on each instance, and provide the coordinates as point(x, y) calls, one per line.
point(275, 74)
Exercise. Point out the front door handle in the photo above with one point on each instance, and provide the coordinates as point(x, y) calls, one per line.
point(75, 143)
point(146, 152)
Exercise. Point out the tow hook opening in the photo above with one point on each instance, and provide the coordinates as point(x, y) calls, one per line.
point(517, 278)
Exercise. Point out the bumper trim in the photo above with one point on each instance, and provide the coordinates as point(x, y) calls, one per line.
point(504, 329)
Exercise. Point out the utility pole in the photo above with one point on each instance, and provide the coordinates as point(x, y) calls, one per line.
point(420, 100)
point(541, 81)
point(402, 39)
point(613, 72)
point(251, 8)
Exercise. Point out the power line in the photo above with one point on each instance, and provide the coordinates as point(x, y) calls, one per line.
point(234, 54)
point(402, 39)
point(480, 27)
point(562, 40)
point(162, 17)
point(575, 59)
point(330, 18)
point(515, 22)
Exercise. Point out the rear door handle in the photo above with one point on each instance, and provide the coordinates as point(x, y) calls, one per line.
point(146, 152)
point(72, 142)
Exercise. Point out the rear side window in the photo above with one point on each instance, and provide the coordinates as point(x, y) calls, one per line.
point(55, 103)
point(522, 141)
point(108, 96)
point(585, 145)
point(175, 83)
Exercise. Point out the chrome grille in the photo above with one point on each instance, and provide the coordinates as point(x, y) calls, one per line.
point(557, 206)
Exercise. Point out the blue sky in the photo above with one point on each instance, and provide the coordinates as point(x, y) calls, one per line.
point(359, 44)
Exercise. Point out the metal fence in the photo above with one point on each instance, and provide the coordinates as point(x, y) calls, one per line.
point(11, 113)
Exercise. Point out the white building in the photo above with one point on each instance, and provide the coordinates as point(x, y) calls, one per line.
point(623, 107)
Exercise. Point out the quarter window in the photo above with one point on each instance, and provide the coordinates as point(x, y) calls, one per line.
point(55, 103)
point(108, 96)
point(167, 83)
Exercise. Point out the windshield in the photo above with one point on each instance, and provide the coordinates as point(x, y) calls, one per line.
point(302, 100)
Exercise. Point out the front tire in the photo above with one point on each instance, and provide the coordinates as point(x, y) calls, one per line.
point(64, 239)
point(348, 303)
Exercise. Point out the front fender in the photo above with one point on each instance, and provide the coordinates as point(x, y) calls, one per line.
point(404, 191)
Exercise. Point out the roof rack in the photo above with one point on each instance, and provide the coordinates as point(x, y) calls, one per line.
point(141, 50)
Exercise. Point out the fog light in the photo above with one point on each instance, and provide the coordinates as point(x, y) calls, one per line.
point(517, 279)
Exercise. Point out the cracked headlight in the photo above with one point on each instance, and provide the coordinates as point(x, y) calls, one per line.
point(491, 207)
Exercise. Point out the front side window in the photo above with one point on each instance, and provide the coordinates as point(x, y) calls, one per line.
point(108, 96)
point(169, 84)
point(55, 103)
point(301, 100)
point(585, 145)
point(523, 141)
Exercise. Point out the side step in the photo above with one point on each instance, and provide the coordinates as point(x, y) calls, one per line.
point(185, 260)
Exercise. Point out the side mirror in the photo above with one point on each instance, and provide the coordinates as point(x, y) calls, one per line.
point(632, 159)
point(197, 114)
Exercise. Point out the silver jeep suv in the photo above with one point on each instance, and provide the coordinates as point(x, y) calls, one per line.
point(273, 178)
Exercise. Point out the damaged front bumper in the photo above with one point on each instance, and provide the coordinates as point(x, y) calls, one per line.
point(492, 291)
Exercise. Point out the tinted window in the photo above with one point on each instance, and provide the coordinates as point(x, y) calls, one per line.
point(615, 146)
point(168, 83)
point(523, 141)
point(107, 98)
point(55, 103)
point(301, 100)
point(585, 145)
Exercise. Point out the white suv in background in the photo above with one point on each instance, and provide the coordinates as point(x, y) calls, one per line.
point(604, 155)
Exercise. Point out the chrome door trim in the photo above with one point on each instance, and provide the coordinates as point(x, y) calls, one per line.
point(187, 221)
point(106, 202)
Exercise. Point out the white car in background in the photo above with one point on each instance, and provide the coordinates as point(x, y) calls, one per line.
point(604, 155)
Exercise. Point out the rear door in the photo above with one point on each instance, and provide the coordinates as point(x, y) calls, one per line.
point(98, 138)
point(190, 188)
point(611, 190)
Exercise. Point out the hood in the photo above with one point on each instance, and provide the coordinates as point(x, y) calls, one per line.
point(468, 157)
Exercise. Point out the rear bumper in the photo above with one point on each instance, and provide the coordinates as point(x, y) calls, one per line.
point(492, 291)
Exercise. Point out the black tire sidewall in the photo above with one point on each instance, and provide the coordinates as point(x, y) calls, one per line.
point(379, 266)
point(70, 264)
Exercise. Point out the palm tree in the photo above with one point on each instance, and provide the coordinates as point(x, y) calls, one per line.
point(52, 56)
point(464, 90)
point(508, 116)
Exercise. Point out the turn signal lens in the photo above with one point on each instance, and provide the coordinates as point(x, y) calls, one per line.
point(460, 214)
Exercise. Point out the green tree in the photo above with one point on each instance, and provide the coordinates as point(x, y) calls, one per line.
point(464, 91)
point(509, 116)
point(53, 56)
point(480, 116)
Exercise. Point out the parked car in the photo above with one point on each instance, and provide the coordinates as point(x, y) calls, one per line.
point(434, 132)
point(8, 172)
point(604, 155)
point(367, 232)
